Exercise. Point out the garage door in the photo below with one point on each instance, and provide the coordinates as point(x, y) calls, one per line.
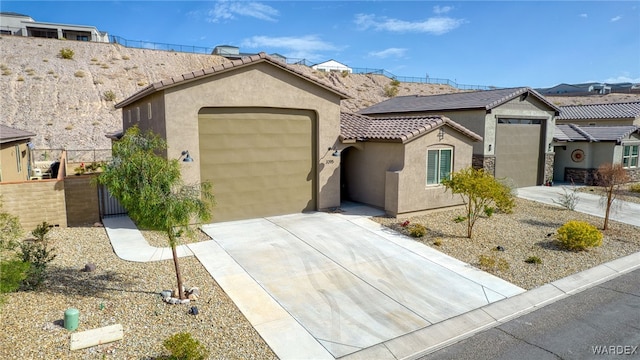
point(518, 144)
point(260, 161)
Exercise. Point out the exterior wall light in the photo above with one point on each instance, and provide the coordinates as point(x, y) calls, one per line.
point(187, 157)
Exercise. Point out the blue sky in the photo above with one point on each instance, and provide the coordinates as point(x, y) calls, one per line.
point(499, 43)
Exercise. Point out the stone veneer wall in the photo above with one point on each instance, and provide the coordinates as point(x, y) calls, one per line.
point(580, 176)
point(634, 174)
point(548, 166)
point(488, 163)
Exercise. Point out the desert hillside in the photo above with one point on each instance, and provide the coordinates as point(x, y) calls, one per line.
point(69, 103)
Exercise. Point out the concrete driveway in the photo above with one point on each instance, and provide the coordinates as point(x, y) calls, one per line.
point(322, 285)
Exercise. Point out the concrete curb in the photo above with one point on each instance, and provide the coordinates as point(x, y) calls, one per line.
point(443, 334)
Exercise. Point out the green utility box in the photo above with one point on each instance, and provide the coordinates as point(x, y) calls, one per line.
point(71, 318)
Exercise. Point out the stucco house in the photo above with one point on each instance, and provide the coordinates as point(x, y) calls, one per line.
point(611, 114)
point(516, 124)
point(273, 141)
point(397, 163)
point(14, 154)
point(22, 25)
point(332, 65)
point(580, 150)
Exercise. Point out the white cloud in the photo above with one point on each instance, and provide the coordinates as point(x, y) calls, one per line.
point(616, 18)
point(442, 9)
point(434, 25)
point(622, 79)
point(395, 52)
point(228, 10)
point(304, 47)
point(583, 15)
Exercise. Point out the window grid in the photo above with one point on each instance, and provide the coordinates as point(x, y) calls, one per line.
point(439, 164)
point(630, 156)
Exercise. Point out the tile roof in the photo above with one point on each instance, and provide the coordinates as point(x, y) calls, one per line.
point(572, 132)
point(395, 128)
point(221, 68)
point(485, 99)
point(600, 111)
point(9, 134)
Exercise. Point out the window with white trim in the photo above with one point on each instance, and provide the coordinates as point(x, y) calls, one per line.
point(630, 156)
point(439, 165)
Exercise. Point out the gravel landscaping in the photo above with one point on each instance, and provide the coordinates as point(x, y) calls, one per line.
point(121, 292)
point(127, 293)
point(528, 231)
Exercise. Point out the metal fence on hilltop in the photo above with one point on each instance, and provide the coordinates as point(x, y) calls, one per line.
point(292, 61)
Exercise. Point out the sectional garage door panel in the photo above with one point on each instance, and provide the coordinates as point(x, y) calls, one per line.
point(260, 161)
point(518, 153)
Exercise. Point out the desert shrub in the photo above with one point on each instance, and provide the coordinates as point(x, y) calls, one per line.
point(492, 263)
point(569, 199)
point(184, 347)
point(38, 254)
point(417, 230)
point(533, 260)
point(635, 188)
point(437, 242)
point(66, 53)
point(109, 95)
point(79, 74)
point(390, 91)
point(579, 235)
point(395, 82)
point(20, 78)
point(10, 230)
point(344, 73)
point(12, 273)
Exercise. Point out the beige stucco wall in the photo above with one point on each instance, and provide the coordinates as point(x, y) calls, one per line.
point(8, 161)
point(365, 170)
point(595, 154)
point(414, 194)
point(392, 176)
point(257, 85)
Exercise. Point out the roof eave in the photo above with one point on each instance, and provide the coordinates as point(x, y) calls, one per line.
point(219, 69)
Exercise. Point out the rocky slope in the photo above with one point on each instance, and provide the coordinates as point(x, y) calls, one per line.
point(69, 103)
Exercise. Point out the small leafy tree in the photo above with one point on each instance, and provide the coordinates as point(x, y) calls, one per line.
point(12, 270)
point(610, 177)
point(38, 255)
point(150, 187)
point(481, 192)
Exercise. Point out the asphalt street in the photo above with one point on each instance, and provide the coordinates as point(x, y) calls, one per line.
point(602, 322)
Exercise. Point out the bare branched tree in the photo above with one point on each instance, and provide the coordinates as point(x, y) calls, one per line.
point(610, 177)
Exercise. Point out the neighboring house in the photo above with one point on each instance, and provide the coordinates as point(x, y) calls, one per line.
point(332, 65)
point(257, 128)
point(22, 25)
point(233, 53)
point(397, 163)
point(611, 114)
point(517, 127)
point(590, 88)
point(580, 150)
point(15, 153)
point(273, 141)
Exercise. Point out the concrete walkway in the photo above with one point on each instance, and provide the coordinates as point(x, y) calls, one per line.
point(311, 296)
point(622, 211)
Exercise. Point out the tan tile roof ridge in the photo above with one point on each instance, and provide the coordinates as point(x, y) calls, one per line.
point(225, 66)
point(367, 123)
